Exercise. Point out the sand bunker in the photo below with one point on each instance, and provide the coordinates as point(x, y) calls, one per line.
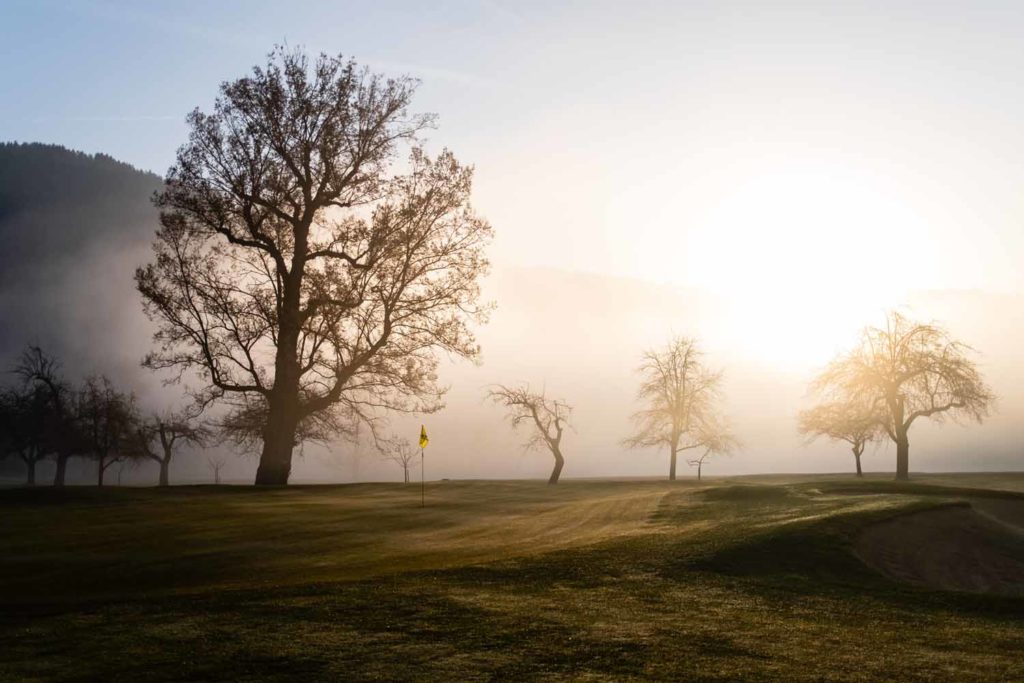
point(976, 547)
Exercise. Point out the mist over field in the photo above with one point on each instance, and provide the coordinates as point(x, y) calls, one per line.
point(578, 335)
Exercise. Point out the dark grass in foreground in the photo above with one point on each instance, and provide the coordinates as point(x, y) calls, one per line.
point(494, 580)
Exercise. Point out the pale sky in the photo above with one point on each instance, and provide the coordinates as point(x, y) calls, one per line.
point(744, 146)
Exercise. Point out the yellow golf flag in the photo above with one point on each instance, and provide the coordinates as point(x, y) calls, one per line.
point(423, 437)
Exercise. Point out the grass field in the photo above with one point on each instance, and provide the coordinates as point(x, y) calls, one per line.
point(593, 580)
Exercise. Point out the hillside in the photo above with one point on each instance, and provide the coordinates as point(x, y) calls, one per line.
point(56, 203)
point(74, 227)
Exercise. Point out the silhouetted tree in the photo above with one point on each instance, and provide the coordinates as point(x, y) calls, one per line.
point(905, 371)
point(715, 436)
point(546, 419)
point(122, 465)
point(400, 451)
point(165, 432)
point(858, 423)
point(25, 426)
point(39, 369)
point(107, 420)
point(305, 285)
point(681, 398)
point(216, 464)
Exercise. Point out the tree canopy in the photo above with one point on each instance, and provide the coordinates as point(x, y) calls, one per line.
point(681, 398)
point(858, 423)
point(305, 282)
point(905, 371)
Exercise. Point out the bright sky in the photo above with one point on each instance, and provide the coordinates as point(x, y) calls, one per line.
point(812, 162)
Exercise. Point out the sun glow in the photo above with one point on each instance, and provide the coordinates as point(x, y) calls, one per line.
point(804, 259)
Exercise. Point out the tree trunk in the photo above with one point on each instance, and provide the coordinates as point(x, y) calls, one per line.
point(406, 473)
point(165, 466)
point(902, 456)
point(283, 401)
point(557, 471)
point(31, 464)
point(62, 465)
point(699, 465)
point(276, 458)
point(278, 441)
point(99, 472)
point(856, 456)
point(672, 466)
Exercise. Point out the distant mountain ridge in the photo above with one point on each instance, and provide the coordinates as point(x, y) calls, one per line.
point(54, 201)
point(73, 227)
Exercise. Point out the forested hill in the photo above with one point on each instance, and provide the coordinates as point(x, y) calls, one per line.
point(73, 227)
point(55, 201)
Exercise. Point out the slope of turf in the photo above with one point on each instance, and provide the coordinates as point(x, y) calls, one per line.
point(493, 580)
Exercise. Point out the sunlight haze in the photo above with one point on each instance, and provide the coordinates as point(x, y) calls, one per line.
point(774, 178)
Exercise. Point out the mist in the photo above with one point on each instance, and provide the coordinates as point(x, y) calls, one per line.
point(576, 335)
point(579, 336)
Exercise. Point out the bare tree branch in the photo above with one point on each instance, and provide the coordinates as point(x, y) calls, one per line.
point(546, 419)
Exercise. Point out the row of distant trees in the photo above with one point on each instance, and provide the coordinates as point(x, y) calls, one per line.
point(43, 416)
point(46, 417)
point(894, 376)
point(681, 398)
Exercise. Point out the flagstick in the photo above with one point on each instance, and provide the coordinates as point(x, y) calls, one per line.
point(423, 497)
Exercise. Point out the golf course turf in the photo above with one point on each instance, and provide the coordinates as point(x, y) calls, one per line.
point(730, 579)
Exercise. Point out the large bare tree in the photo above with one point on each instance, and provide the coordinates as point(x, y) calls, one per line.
point(160, 434)
point(858, 423)
point(681, 399)
point(306, 282)
point(905, 371)
point(546, 419)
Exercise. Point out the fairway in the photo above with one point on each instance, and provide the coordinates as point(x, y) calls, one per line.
point(755, 579)
point(200, 538)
